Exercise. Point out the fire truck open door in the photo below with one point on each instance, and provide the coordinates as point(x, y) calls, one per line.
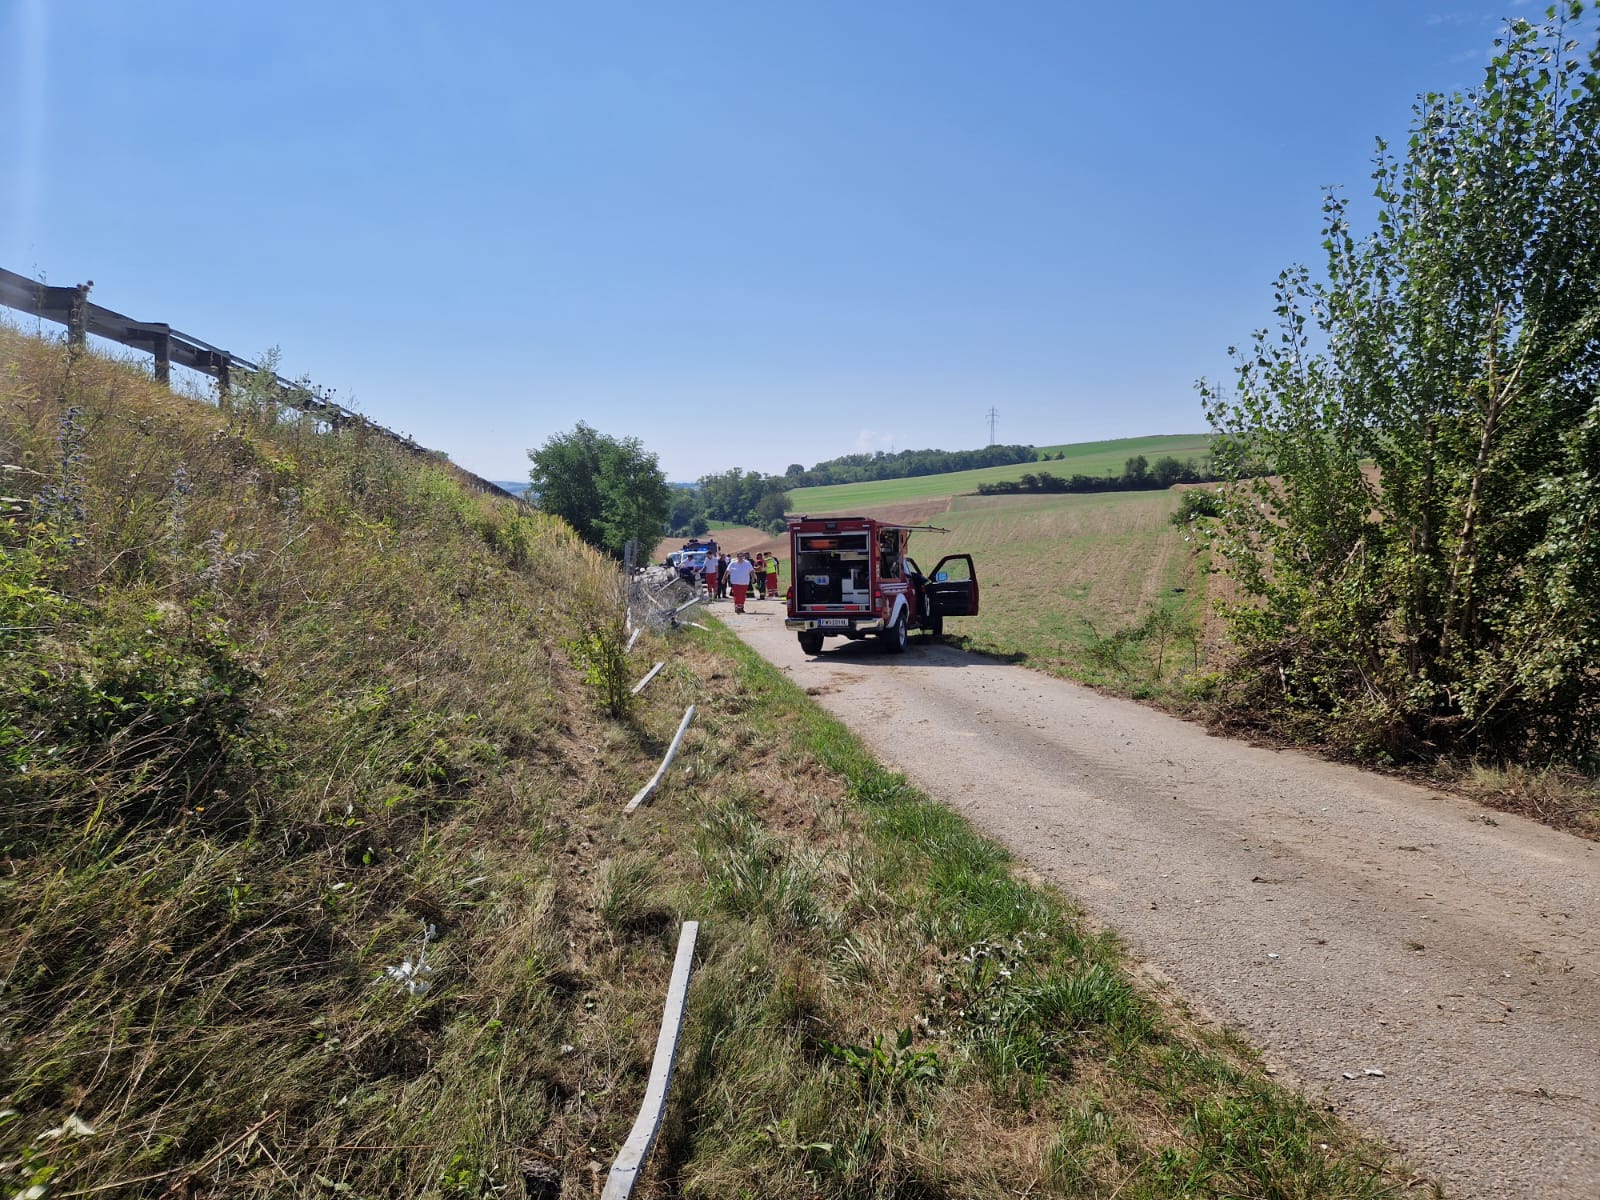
point(952, 589)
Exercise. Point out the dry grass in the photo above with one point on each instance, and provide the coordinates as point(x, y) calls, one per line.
point(1099, 588)
point(1559, 797)
point(277, 702)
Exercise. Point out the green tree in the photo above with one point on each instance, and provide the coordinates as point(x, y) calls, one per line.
point(1166, 471)
point(609, 490)
point(687, 512)
point(770, 509)
point(1425, 564)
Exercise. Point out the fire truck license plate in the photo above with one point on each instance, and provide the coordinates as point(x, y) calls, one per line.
point(833, 622)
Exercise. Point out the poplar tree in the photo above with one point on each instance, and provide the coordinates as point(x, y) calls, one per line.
point(1421, 573)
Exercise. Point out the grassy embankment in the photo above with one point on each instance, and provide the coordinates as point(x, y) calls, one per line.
point(274, 701)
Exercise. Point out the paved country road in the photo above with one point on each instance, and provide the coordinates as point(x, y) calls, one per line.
point(1345, 922)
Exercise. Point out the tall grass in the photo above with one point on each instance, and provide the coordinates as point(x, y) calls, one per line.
point(316, 883)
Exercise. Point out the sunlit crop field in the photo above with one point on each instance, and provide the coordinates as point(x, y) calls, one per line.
point(1085, 458)
point(1064, 578)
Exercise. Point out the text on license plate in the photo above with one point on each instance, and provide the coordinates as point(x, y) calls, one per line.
point(833, 622)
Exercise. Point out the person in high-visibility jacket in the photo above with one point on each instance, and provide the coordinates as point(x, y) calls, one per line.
point(772, 575)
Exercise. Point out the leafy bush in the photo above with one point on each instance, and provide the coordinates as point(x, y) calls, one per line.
point(1421, 571)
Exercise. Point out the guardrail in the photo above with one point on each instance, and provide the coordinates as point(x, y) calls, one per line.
point(70, 306)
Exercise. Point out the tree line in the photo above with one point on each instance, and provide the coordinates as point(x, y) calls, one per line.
point(1138, 475)
point(906, 464)
point(612, 490)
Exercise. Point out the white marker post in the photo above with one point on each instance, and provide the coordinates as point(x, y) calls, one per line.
point(639, 687)
point(643, 793)
point(630, 1159)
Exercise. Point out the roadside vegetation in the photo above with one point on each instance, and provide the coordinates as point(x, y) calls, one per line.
point(1418, 578)
point(315, 881)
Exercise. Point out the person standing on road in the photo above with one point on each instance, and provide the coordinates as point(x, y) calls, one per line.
point(772, 576)
point(739, 572)
point(711, 577)
point(722, 576)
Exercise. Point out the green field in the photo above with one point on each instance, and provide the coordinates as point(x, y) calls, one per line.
point(1083, 586)
point(1084, 458)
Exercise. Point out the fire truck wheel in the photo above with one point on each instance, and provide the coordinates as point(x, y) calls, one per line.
point(894, 637)
point(811, 642)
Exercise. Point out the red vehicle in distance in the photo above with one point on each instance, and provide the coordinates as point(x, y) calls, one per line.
point(853, 577)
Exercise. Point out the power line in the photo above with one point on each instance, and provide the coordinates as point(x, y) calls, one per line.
point(994, 416)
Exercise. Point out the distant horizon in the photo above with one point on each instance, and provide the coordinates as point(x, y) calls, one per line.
point(519, 485)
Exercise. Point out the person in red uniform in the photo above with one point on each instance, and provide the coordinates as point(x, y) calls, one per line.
point(711, 577)
point(739, 572)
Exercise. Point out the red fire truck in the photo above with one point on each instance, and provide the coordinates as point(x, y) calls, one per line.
point(852, 577)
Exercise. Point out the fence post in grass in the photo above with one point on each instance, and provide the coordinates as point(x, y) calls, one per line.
point(640, 686)
point(78, 316)
point(630, 1159)
point(161, 347)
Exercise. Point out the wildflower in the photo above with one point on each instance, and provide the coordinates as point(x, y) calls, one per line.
point(62, 502)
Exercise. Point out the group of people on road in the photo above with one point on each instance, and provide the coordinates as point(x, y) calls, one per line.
point(740, 575)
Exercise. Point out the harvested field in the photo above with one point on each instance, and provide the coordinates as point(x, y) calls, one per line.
point(1065, 578)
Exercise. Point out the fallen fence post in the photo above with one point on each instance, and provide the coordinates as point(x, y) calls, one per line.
point(639, 687)
point(643, 793)
point(632, 638)
point(630, 1159)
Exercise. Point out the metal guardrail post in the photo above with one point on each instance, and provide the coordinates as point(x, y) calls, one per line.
point(78, 316)
point(161, 348)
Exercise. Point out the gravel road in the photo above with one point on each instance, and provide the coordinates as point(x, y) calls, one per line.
point(1348, 924)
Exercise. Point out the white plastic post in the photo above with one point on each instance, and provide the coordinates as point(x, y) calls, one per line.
point(639, 687)
point(643, 793)
point(630, 1159)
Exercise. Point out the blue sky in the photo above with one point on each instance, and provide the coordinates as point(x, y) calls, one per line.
point(748, 234)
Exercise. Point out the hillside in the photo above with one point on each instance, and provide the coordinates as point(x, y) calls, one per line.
point(286, 717)
point(1088, 458)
